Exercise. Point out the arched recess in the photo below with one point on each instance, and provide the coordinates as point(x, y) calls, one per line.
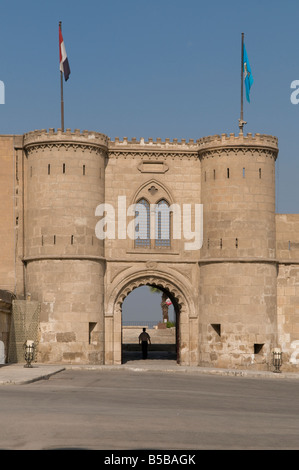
point(153, 191)
point(184, 305)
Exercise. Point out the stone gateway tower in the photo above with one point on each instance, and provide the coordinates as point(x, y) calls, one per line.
point(235, 295)
point(65, 264)
point(237, 266)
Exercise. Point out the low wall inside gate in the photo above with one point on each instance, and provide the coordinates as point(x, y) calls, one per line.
point(161, 339)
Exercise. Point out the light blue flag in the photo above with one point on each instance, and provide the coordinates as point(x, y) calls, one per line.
point(247, 74)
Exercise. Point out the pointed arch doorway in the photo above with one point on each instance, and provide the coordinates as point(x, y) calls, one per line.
point(148, 306)
point(186, 317)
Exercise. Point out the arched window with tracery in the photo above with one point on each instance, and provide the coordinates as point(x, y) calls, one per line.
point(162, 224)
point(142, 224)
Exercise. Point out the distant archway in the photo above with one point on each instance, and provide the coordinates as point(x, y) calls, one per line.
point(151, 308)
point(187, 321)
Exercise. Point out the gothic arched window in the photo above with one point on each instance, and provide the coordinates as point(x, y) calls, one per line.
point(142, 224)
point(162, 224)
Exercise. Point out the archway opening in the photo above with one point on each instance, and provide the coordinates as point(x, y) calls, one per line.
point(152, 307)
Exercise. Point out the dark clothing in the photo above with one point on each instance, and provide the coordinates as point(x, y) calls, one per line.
point(144, 349)
point(144, 339)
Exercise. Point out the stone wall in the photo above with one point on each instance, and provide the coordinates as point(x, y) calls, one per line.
point(5, 321)
point(64, 260)
point(287, 250)
point(24, 326)
point(288, 314)
point(130, 335)
point(238, 314)
point(236, 296)
point(8, 213)
point(287, 237)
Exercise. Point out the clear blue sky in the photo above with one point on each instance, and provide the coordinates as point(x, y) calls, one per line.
point(155, 68)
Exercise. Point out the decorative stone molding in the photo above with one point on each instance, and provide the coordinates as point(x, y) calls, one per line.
point(151, 150)
point(246, 151)
point(152, 155)
point(155, 281)
point(153, 167)
point(204, 147)
point(227, 144)
point(153, 189)
point(151, 264)
point(64, 146)
point(175, 283)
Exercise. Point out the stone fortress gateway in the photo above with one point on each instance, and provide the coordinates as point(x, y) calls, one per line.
point(236, 298)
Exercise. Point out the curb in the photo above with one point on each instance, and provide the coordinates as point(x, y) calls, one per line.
point(17, 374)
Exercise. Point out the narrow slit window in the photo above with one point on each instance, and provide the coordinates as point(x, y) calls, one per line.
point(260, 173)
point(49, 169)
point(221, 243)
point(237, 243)
point(227, 172)
point(214, 174)
point(54, 239)
point(243, 172)
point(63, 168)
point(83, 170)
point(72, 239)
point(91, 327)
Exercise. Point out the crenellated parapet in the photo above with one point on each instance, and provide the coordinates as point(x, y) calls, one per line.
point(43, 139)
point(152, 149)
point(205, 146)
point(158, 143)
point(216, 144)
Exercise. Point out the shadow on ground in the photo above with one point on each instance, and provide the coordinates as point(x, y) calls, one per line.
point(128, 356)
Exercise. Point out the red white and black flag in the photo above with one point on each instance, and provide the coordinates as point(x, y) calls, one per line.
point(64, 63)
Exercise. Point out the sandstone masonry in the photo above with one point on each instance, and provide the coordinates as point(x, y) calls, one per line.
point(236, 298)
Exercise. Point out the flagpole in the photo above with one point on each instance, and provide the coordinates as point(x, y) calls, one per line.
point(241, 120)
point(61, 95)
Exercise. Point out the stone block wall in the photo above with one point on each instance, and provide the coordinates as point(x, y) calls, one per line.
point(237, 295)
point(238, 314)
point(64, 260)
point(5, 322)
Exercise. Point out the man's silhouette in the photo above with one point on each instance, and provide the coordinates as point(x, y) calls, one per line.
point(144, 340)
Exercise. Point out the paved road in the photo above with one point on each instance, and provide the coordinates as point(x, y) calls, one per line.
point(124, 409)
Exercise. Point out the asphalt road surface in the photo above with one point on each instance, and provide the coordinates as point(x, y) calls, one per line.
point(126, 409)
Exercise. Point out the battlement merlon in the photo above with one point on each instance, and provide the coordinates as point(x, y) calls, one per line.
point(42, 137)
point(204, 143)
point(256, 141)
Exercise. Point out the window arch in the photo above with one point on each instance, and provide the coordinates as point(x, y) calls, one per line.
point(142, 224)
point(162, 224)
point(161, 219)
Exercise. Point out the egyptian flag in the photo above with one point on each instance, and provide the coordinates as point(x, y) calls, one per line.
point(64, 63)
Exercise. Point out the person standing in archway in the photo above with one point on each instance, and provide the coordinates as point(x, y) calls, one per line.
point(144, 340)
